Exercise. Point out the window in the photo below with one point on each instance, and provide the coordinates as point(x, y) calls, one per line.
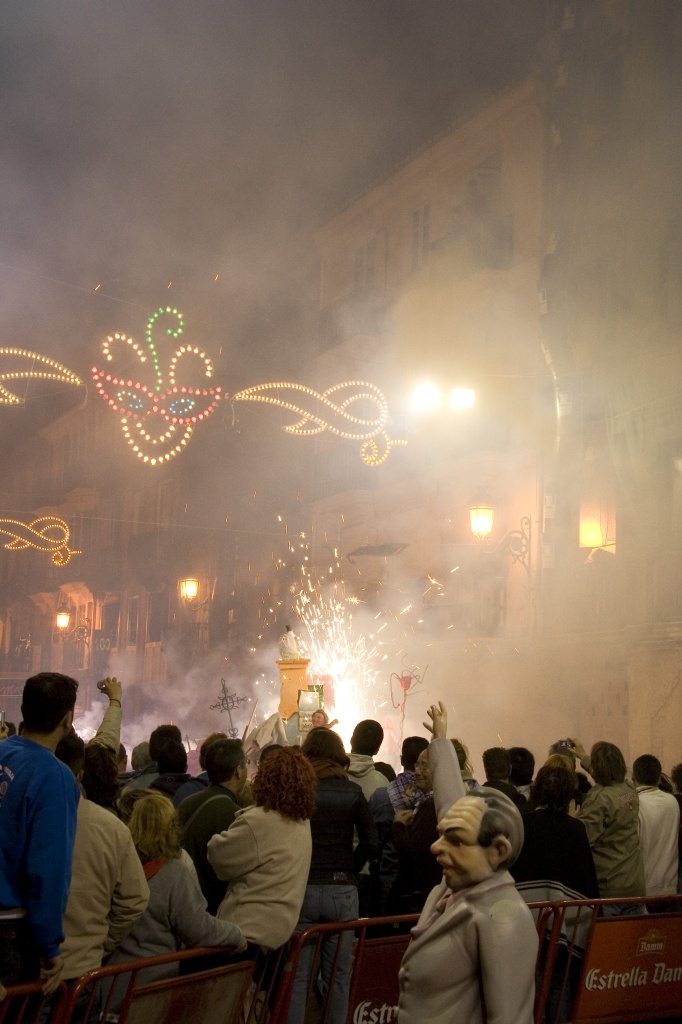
point(131, 639)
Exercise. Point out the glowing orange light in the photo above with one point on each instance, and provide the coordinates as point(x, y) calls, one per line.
point(56, 372)
point(46, 533)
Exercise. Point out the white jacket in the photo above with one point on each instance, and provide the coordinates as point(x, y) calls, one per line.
point(659, 824)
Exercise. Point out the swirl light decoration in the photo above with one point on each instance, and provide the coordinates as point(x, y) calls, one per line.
point(17, 356)
point(46, 533)
point(158, 418)
point(318, 412)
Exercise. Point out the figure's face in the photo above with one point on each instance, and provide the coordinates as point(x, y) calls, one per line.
point(319, 719)
point(423, 772)
point(463, 860)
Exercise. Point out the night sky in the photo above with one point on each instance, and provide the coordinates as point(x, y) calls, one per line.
point(150, 141)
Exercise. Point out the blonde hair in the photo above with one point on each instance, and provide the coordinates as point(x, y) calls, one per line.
point(154, 827)
point(562, 761)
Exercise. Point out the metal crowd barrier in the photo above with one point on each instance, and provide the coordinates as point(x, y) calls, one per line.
point(590, 968)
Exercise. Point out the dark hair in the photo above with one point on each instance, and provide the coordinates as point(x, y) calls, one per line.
point(47, 697)
point(676, 776)
point(161, 735)
point(122, 753)
point(71, 752)
point(665, 784)
point(223, 757)
point(100, 775)
point(286, 783)
point(647, 770)
point(325, 745)
point(367, 737)
point(410, 751)
point(172, 758)
point(213, 738)
point(496, 763)
point(386, 770)
point(11, 728)
point(522, 766)
point(554, 789)
point(607, 764)
point(269, 749)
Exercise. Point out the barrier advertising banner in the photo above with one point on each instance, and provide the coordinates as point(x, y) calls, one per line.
point(632, 965)
point(374, 994)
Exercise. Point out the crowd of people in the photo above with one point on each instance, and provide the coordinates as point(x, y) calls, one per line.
point(99, 864)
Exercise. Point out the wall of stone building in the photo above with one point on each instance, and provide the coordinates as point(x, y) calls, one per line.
point(655, 700)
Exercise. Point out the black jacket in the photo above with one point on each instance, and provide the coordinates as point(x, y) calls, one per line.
point(340, 810)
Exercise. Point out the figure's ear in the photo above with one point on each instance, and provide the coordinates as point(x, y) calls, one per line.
point(499, 852)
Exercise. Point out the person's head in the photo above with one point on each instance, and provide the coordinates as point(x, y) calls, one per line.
point(122, 759)
point(270, 749)
point(522, 766)
point(386, 770)
point(367, 737)
point(422, 771)
point(479, 835)
point(127, 801)
point(646, 770)
point(554, 788)
point(226, 764)
point(213, 738)
point(608, 764)
point(286, 783)
point(410, 751)
point(71, 751)
point(320, 718)
point(140, 758)
point(47, 703)
point(676, 778)
point(560, 761)
point(154, 827)
point(100, 775)
point(462, 756)
point(11, 729)
point(161, 735)
point(172, 759)
point(325, 745)
point(496, 764)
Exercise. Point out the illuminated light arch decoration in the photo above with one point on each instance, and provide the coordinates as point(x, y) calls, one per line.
point(321, 413)
point(52, 371)
point(46, 533)
point(158, 419)
point(370, 452)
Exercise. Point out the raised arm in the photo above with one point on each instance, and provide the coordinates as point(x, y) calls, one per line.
point(109, 733)
point(448, 786)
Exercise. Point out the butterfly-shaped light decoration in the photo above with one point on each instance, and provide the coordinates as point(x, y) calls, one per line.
point(46, 369)
point(158, 415)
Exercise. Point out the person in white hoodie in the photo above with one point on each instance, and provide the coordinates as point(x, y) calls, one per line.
point(364, 744)
point(659, 823)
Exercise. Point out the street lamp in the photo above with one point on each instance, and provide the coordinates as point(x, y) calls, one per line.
point(62, 620)
point(189, 589)
point(516, 542)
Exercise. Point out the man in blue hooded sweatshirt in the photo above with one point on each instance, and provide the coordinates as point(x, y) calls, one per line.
point(38, 803)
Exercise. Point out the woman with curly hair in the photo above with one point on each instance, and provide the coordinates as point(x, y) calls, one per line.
point(176, 916)
point(332, 890)
point(265, 853)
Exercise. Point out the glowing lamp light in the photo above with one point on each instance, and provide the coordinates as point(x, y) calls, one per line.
point(482, 516)
point(189, 589)
point(62, 620)
point(462, 398)
point(426, 397)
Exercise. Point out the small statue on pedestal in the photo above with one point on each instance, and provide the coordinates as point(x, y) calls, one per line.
point(288, 651)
